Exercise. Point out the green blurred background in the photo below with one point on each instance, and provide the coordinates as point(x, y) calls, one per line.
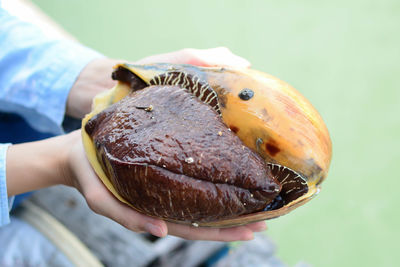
point(342, 55)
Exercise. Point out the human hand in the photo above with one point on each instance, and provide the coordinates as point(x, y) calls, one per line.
point(79, 173)
point(96, 76)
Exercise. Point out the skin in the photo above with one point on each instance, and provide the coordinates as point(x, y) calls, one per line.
point(62, 160)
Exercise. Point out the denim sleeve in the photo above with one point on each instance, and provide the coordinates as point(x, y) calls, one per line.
point(4, 201)
point(37, 72)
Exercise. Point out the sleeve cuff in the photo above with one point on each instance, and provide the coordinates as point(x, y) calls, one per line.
point(5, 202)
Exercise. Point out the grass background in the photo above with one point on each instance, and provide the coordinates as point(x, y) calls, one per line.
point(342, 55)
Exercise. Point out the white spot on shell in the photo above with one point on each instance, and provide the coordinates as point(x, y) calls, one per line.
point(189, 160)
point(195, 224)
point(149, 108)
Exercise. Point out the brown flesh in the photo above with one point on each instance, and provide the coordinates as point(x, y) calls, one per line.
point(179, 161)
point(293, 184)
point(126, 76)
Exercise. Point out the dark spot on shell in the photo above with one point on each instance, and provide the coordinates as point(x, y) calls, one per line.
point(272, 149)
point(234, 128)
point(246, 94)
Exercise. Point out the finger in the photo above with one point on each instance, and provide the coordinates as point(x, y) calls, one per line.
point(101, 201)
point(220, 56)
point(107, 205)
point(257, 226)
point(173, 58)
point(214, 234)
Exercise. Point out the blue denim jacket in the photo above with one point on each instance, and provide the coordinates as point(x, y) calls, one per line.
point(36, 74)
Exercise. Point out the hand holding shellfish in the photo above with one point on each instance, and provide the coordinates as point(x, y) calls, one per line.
point(80, 175)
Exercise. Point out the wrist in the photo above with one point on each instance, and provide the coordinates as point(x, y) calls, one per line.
point(35, 165)
point(93, 79)
point(65, 164)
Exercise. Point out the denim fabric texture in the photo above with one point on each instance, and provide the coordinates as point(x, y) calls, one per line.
point(36, 74)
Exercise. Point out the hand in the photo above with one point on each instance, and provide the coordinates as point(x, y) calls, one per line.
point(96, 76)
point(79, 173)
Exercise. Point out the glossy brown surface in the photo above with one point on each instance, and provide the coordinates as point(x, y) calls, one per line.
point(177, 160)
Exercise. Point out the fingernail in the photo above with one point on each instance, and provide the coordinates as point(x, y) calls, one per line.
point(154, 229)
point(262, 227)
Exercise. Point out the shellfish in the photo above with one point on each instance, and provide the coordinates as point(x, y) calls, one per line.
point(269, 116)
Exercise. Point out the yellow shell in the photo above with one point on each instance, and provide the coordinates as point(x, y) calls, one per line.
point(277, 122)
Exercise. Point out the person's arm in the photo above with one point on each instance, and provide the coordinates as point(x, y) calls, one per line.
point(36, 75)
point(37, 72)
